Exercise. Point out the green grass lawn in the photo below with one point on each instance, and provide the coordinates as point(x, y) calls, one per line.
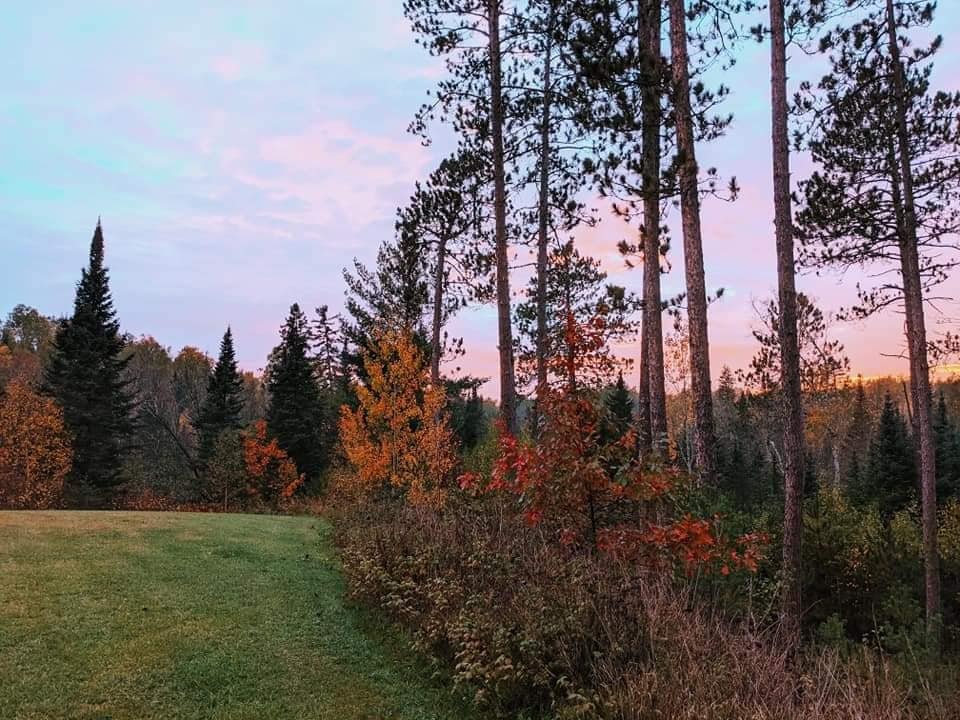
point(171, 615)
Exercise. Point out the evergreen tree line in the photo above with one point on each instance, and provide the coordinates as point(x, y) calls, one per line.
point(139, 419)
point(868, 455)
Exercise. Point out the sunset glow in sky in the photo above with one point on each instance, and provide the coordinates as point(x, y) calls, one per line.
point(241, 154)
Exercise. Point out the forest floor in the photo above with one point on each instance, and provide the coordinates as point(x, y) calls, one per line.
point(110, 615)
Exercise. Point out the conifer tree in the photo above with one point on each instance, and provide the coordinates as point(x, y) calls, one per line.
point(224, 401)
point(331, 371)
point(444, 220)
point(890, 478)
point(857, 441)
point(295, 415)
point(823, 364)
point(619, 407)
point(948, 451)
point(86, 377)
point(467, 418)
point(855, 471)
point(327, 336)
point(623, 98)
point(576, 285)
point(392, 295)
point(688, 179)
point(743, 466)
point(474, 97)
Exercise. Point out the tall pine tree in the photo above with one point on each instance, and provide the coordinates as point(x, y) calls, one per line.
point(86, 377)
point(224, 402)
point(885, 198)
point(295, 416)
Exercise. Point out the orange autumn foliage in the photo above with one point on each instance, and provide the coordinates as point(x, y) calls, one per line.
point(35, 452)
point(271, 475)
point(399, 436)
point(18, 366)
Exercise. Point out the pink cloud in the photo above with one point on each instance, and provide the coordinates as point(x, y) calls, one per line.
point(239, 63)
point(336, 170)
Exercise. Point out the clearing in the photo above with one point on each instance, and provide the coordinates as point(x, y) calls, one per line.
point(110, 615)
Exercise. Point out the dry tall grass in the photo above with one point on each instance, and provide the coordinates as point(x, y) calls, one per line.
point(531, 627)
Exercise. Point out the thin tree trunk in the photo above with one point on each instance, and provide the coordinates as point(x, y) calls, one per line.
point(793, 454)
point(508, 395)
point(835, 451)
point(652, 301)
point(908, 403)
point(544, 218)
point(571, 359)
point(435, 340)
point(644, 444)
point(703, 430)
point(917, 344)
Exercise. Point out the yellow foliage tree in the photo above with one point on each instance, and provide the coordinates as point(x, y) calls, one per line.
point(35, 452)
point(399, 436)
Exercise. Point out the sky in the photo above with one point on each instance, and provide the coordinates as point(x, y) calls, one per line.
point(241, 155)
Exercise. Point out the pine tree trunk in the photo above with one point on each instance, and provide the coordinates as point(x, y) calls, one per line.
point(793, 455)
point(916, 343)
point(652, 312)
point(508, 399)
point(703, 430)
point(571, 358)
point(644, 444)
point(435, 339)
point(544, 218)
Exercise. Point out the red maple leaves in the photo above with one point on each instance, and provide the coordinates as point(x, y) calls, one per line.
point(592, 490)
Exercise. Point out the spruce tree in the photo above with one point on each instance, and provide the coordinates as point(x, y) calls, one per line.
point(86, 376)
point(890, 478)
point(619, 407)
point(855, 472)
point(465, 406)
point(948, 451)
point(857, 441)
point(224, 402)
point(327, 334)
point(295, 416)
point(743, 468)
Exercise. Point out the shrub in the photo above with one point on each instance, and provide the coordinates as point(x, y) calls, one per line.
point(531, 628)
point(271, 475)
point(226, 470)
point(866, 570)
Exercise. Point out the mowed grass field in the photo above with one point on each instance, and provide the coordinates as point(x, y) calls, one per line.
point(172, 615)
